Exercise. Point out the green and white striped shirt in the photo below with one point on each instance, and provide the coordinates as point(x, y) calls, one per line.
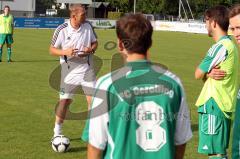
point(138, 112)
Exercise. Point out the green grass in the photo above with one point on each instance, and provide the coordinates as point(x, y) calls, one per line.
point(27, 101)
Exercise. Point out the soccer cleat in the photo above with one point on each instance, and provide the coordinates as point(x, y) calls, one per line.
point(10, 61)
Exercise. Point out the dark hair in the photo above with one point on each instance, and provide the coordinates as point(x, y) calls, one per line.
point(6, 6)
point(135, 31)
point(234, 10)
point(220, 15)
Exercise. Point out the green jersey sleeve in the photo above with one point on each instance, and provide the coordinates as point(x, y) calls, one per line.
point(216, 54)
point(98, 117)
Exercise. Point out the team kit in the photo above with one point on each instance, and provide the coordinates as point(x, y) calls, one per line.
point(139, 111)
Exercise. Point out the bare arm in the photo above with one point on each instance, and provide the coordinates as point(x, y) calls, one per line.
point(94, 46)
point(180, 150)
point(94, 153)
point(216, 73)
point(199, 74)
point(92, 49)
point(89, 50)
point(59, 52)
point(13, 26)
point(12, 29)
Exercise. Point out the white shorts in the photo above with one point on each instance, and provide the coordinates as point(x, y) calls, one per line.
point(73, 80)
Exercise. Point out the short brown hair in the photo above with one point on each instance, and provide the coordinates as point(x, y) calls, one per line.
point(220, 15)
point(234, 10)
point(135, 31)
point(6, 6)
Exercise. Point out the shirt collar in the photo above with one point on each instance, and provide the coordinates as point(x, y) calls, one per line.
point(138, 62)
point(71, 29)
point(5, 15)
point(224, 37)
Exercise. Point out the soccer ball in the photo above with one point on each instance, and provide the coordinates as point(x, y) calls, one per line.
point(60, 143)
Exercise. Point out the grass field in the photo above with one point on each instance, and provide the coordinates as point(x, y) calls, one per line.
point(27, 101)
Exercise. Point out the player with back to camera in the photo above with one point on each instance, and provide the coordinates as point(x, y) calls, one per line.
point(140, 110)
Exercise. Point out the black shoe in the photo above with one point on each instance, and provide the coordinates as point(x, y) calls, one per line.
point(10, 61)
point(0, 60)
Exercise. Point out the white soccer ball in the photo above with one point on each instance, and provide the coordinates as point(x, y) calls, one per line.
point(60, 143)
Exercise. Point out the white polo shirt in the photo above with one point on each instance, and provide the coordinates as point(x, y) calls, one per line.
point(65, 36)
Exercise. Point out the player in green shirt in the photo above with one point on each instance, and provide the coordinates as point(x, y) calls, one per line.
point(217, 100)
point(234, 20)
point(6, 32)
point(138, 111)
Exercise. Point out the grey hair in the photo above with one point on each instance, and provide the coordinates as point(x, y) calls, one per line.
point(73, 7)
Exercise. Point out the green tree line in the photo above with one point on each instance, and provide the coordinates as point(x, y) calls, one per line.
point(168, 7)
point(163, 7)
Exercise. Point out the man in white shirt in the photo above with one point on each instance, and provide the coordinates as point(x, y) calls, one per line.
point(75, 42)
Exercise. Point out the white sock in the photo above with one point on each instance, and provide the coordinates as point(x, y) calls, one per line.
point(57, 129)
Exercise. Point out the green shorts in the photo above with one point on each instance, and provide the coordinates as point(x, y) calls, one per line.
point(236, 132)
point(8, 38)
point(214, 129)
